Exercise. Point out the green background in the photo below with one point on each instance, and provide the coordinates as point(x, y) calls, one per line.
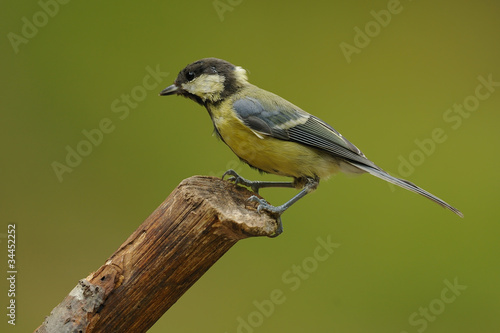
point(396, 248)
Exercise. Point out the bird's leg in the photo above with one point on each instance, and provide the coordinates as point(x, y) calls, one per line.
point(310, 185)
point(256, 184)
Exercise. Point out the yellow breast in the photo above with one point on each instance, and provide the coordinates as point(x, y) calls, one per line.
point(266, 153)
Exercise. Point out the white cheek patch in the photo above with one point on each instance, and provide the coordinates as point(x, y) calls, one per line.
point(206, 86)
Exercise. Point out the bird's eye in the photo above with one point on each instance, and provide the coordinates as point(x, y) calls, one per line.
point(190, 76)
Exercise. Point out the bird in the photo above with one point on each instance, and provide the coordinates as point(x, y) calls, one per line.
point(273, 135)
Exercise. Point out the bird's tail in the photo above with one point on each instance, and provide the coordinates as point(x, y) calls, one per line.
point(379, 173)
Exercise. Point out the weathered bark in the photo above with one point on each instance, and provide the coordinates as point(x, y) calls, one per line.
point(200, 220)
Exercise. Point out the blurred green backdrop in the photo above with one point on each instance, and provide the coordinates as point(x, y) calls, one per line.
point(386, 74)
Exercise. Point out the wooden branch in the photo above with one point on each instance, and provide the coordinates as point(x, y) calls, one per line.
point(199, 221)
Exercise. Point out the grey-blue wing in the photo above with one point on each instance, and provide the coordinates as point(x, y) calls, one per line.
point(282, 120)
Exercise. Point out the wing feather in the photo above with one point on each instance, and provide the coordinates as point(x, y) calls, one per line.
point(286, 121)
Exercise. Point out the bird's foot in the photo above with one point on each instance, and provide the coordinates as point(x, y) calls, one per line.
point(275, 211)
point(237, 179)
point(264, 205)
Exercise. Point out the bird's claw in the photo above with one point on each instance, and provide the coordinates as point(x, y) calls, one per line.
point(237, 179)
point(232, 173)
point(264, 205)
point(279, 228)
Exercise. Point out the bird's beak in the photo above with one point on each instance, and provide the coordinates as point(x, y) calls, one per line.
point(170, 90)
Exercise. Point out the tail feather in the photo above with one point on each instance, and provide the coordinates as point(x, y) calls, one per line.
point(379, 173)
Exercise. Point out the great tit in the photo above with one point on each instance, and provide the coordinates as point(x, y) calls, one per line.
point(273, 135)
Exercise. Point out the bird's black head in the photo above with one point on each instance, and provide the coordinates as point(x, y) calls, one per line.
point(207, 80)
